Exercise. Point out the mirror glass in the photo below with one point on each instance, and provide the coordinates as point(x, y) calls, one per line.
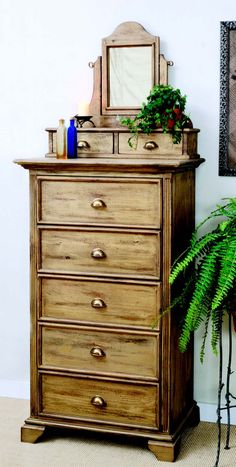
point(130, 74)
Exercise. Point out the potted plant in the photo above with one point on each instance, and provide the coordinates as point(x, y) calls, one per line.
point(164, 109)
point(207, 293)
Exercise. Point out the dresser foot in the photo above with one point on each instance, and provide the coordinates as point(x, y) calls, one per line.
point(31, 433)
point(165, 451)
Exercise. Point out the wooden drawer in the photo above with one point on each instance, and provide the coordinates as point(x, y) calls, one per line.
point(91, 143)
point(120, 403)
point(97, 351)
point(101, 252)
point(153, 144)
point(100, 302)
point(66, 200)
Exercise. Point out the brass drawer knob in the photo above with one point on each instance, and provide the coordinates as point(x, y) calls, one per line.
point(97, 253)
point(97, 352)
point(150, 145)
point(98, 203)
point(83, 145)
point(98, 401)
point(98, 303)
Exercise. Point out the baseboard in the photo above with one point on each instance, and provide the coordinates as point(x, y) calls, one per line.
point(15, 389)
point(208, 413)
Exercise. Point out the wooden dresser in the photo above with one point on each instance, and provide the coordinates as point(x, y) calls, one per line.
point(103, 235)
point(105, 229)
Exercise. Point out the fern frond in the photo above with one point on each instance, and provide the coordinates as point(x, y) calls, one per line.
point(227, 274)
point(203, 346)
point(186, 330)
point(179, 301)
point(203, 285)
point(184, 337)
point(193, 252)
point(201, 297)
point(216, 317)
point(204, 311)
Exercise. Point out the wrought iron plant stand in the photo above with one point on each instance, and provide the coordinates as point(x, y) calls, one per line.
point(228, 395)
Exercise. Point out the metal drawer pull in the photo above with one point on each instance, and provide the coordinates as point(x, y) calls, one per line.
point(98, 203)
point(98, 401)
point(97, 352)
point(97, 253)
point(83, 145)
point(98, 303)
point(150, 145)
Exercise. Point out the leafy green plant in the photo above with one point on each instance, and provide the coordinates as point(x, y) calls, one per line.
point(164, 109)
point(208, 267)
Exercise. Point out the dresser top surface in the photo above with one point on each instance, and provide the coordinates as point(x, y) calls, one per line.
point(109, 163)
point(120, 129)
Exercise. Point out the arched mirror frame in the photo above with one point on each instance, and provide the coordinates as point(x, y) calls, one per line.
point(127, 34)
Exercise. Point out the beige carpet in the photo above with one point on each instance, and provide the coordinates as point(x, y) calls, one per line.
point(67, 448)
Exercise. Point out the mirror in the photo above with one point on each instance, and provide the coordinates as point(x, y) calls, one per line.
point(130, 67)
point(131, 64)
point(129, 83)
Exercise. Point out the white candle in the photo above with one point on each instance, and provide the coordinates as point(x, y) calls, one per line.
point(83, 108)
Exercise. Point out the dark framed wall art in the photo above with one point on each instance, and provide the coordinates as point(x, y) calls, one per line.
point(227, 150)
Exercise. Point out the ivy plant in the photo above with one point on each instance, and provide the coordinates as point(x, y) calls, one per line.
point(164, 109)
point(208, 267)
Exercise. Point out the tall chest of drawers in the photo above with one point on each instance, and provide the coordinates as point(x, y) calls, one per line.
point(104, 232)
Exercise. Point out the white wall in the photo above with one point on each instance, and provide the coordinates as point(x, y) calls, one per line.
point(44, 50)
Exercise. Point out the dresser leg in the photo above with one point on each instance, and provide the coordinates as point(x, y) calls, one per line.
point(165, 451)
point(31, 433)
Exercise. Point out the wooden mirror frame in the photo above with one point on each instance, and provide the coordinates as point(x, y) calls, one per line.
point(127, 34)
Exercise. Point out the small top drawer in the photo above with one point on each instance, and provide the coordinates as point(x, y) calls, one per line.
point(153, 144)
point(95, 143)
point(89, 201)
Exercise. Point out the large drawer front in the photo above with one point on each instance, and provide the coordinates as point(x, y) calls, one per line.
point(99, 351)
point(120, 403)
point(94, 252)
point(100, 302)
point(153, 144)
point(106, 202)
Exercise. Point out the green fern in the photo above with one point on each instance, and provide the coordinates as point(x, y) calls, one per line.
point(227, 272)
point(197, 308)
point(214, 277)
point(197, 248)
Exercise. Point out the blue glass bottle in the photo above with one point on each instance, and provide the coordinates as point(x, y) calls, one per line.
point(72, 152)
